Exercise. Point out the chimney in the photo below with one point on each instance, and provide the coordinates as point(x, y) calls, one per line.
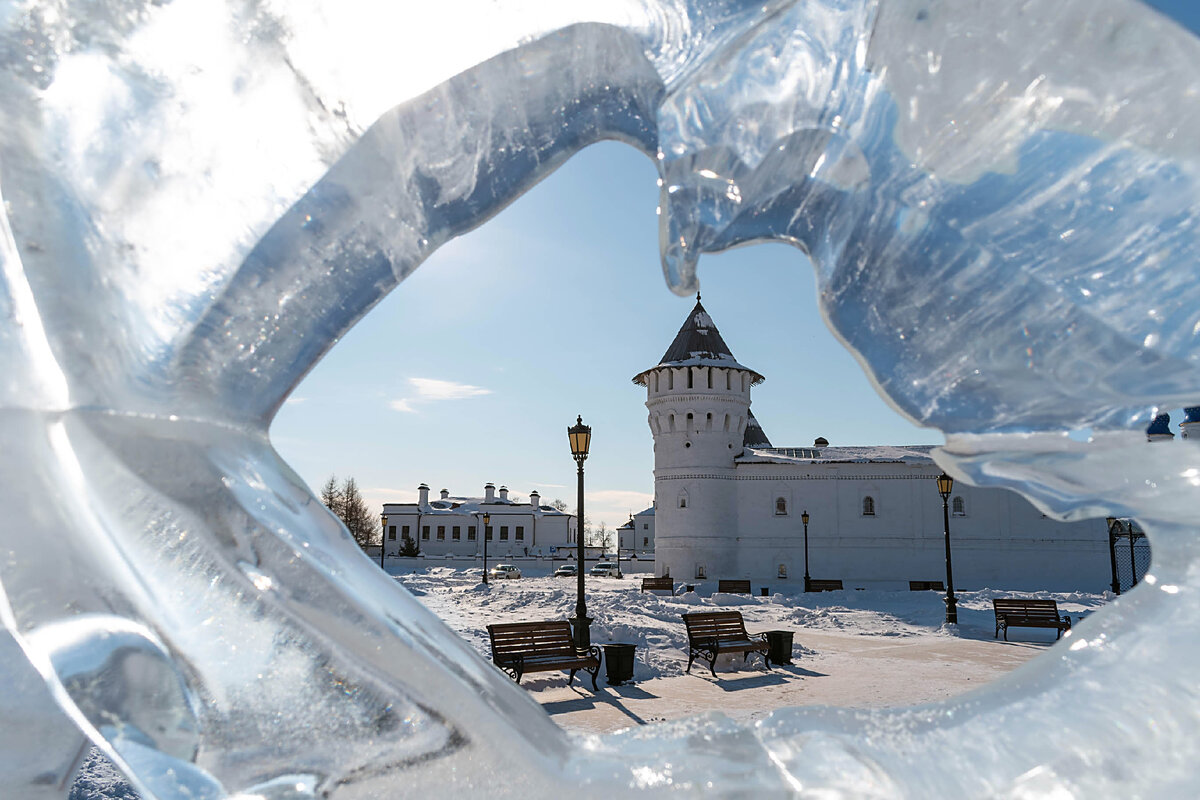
point(445, 493)
point(820, 441)
point(422, 495)
point(535, 500)
point(489, 493)
point(504, 493)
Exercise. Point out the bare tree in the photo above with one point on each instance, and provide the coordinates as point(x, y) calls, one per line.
point(346, 501)
point(331, 496)
point(558, 505)
point(357, 518)
point(600, 537)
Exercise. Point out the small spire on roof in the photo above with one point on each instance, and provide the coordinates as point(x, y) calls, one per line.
point(697, 297)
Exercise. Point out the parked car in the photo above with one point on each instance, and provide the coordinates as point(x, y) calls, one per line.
point(505, 571)
point(606, 568)
point(566, 571)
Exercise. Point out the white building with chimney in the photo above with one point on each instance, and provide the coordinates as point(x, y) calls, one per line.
point(454, 526)
point(729, 504)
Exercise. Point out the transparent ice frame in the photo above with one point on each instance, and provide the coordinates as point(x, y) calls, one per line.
point(999, 199)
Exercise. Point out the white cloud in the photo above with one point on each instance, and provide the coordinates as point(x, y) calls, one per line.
point(429, 390)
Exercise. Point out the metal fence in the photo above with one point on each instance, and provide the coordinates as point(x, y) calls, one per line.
point(1129, 552)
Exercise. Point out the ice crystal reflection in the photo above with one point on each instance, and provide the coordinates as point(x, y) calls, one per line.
point(199, 199)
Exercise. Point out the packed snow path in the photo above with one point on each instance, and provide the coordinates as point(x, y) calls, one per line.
point(855, 649)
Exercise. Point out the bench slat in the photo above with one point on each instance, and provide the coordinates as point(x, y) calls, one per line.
point(1017, 612)
point(520, 647)
point(711, 633)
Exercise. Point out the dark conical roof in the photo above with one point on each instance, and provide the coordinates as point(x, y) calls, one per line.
point(755, 436)
point(699, 344)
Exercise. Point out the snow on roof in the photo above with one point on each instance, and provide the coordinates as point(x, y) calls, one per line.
point(649, 511)
point(698, 344)
point(472, 505)
point(910, 454)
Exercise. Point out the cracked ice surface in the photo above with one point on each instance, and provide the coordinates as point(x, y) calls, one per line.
point(200, 199)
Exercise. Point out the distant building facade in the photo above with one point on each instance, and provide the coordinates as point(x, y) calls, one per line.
point(636, 537)
point(452, 525)
point(730, 505)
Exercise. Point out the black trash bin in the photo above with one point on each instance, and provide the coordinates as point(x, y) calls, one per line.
point(618, 662)
point(765, 591)
point(780, 643)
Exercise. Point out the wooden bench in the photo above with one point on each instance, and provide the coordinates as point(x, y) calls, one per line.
point(733, 586)
point(654, 584)
point(926, 586)
point(1015, 612)
point(824, 586)
point(711, 633)
point(521, 647)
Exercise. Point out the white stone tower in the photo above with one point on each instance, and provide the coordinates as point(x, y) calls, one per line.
point(699, 401)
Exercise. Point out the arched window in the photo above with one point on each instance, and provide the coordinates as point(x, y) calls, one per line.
point(689, 377)
point(868, 506)
point(960, 508)
point(728, 385)
point(689, 416)
point(683, 498)
point(780, 507)
point(708, 376)
point(670, 379)
point(727, 423)
point(708, 422)
point(671, 421)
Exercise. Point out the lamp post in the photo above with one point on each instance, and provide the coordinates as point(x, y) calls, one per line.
point(382, 538)
point(804, 519)
point(945, 485)
point(1112, 554)
point(580, 436)
point(632, 542)
point(487, 519)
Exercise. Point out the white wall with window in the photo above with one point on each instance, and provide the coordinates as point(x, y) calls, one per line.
point(732, 504)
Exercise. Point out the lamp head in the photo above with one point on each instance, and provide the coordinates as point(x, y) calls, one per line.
point(945, 485)
point(804, 517)
point(580, 436)
point(487, 518)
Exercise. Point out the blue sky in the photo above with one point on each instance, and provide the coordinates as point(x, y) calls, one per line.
point(473, 368)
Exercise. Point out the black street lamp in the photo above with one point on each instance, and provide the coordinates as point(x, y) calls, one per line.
point(382, 538)
point(487, 519)
point(945, 485)
point(804, 519)
point(632, 542)
point(1112, 553)
point(580, 436)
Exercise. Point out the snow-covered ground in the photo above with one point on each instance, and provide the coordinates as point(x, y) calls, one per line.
point(850, 648)
point(855, 649)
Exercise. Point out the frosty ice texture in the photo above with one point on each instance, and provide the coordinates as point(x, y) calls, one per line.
point(1000, 203)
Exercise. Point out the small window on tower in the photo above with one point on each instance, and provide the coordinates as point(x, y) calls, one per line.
point(683, 498)
point(780, 507)
point(868, 506)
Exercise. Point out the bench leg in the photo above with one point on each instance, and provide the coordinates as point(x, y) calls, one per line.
point(691, 658)
point(712, 665)
point(595, 672)
point(570, 677)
